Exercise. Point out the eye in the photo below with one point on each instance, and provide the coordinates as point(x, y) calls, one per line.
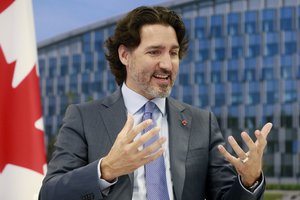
point(174, 53)
point(154, 52)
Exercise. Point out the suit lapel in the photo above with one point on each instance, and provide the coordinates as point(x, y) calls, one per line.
point(114, 117)
point(179, 132)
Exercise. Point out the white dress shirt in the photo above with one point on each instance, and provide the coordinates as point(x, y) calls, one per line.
point(134, 103)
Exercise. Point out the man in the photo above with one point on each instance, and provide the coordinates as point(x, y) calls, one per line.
point(98, 157)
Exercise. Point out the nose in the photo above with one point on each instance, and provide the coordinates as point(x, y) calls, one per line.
point(165, 62)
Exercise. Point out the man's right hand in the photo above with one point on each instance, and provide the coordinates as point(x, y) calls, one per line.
point(124, 156)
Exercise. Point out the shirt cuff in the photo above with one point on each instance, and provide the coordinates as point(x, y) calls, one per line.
point(104, 185)
point(258, 187)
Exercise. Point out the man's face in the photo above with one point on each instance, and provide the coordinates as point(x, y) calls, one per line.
point(152, 67)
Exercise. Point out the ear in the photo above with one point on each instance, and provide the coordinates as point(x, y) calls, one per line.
point(123, 54)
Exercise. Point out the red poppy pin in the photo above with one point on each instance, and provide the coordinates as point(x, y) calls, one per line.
point(184, 122)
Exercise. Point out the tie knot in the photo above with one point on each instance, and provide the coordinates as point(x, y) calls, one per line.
point(149, 107)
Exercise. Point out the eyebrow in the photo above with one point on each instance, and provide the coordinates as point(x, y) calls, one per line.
point(161, 47)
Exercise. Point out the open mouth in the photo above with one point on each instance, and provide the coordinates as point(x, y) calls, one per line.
point(160, 76)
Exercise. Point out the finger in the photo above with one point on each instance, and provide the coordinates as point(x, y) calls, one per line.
point(262, 135)
point(128, 125)
point(145, 137)
point(249, 142)
point(261, 141)
point(153, 156)
point(266, 129)
point(237, 149)
point(131, 134)
point(233, 160)
point(155, 146)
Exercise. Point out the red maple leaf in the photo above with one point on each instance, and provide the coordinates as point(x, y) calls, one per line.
point(21, 143)
point(5, 4)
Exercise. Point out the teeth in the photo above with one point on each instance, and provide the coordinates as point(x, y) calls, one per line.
point(161, 76)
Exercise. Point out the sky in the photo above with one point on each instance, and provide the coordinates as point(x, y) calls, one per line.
point(55, 17)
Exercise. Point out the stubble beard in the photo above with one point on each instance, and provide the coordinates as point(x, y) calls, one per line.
point(156, 91)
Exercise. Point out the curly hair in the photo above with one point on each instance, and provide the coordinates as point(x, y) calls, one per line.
point(127, 33)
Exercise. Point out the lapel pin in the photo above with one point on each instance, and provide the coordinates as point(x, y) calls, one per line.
point(184, 122)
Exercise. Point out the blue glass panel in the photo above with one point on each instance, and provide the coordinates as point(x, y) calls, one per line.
point(237, 93)
point(52, 67)
point(201, 25)
point(268, 22)
point(76, 64)
point(86, 42)
point(64, 68)
point(286, 20)
point(89, 62)
point(183, 79)
point(203, 95)
point(42, 65)
point(290, 93)
point(254, 47)
point(99, 40)
point(233, 21)
point(199, 77)
point(216, 29)
point(251, 22)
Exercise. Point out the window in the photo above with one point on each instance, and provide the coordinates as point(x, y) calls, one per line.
point(290, 42)
point(187, 94)
point(204, 50)
point(99, 40)
point(251, 22)
point(220, 95)
point(237, 93)
point(200, 30)
point(254, 95)
point(237, 50)
point(183, 79)
point(216, 26)
point(64, 66)
point(290, 91)
point(232, 71)
point(89, 62)
point(250, 69)
point(254, 45)
point(272, 47)
point(286, 19)
point(268, 20)
point(219, 53)
point(42, 67)
point(272, 95)
point(216, 74)
point(76, 64)
point(61, 85)
point(73, 84)
point(85, 86)
point(203, 95)
point(233, 24)
point(52, 67)
point(86, 42)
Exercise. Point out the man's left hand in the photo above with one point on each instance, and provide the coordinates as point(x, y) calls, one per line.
point(248, 164)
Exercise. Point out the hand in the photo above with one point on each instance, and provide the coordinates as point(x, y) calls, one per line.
point(124, 156)
point(248, 165)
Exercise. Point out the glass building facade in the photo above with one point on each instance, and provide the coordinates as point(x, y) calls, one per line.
point(243, 63)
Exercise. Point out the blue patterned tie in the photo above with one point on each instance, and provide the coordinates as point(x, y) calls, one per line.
point(155, 171)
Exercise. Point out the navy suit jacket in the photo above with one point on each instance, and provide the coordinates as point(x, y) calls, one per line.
point(198, 170)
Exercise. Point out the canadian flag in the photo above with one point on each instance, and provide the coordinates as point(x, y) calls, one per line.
point(22, 150)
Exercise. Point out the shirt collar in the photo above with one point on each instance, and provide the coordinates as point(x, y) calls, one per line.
point(134, 101)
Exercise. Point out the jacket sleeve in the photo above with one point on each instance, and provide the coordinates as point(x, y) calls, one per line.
point(69, 175)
